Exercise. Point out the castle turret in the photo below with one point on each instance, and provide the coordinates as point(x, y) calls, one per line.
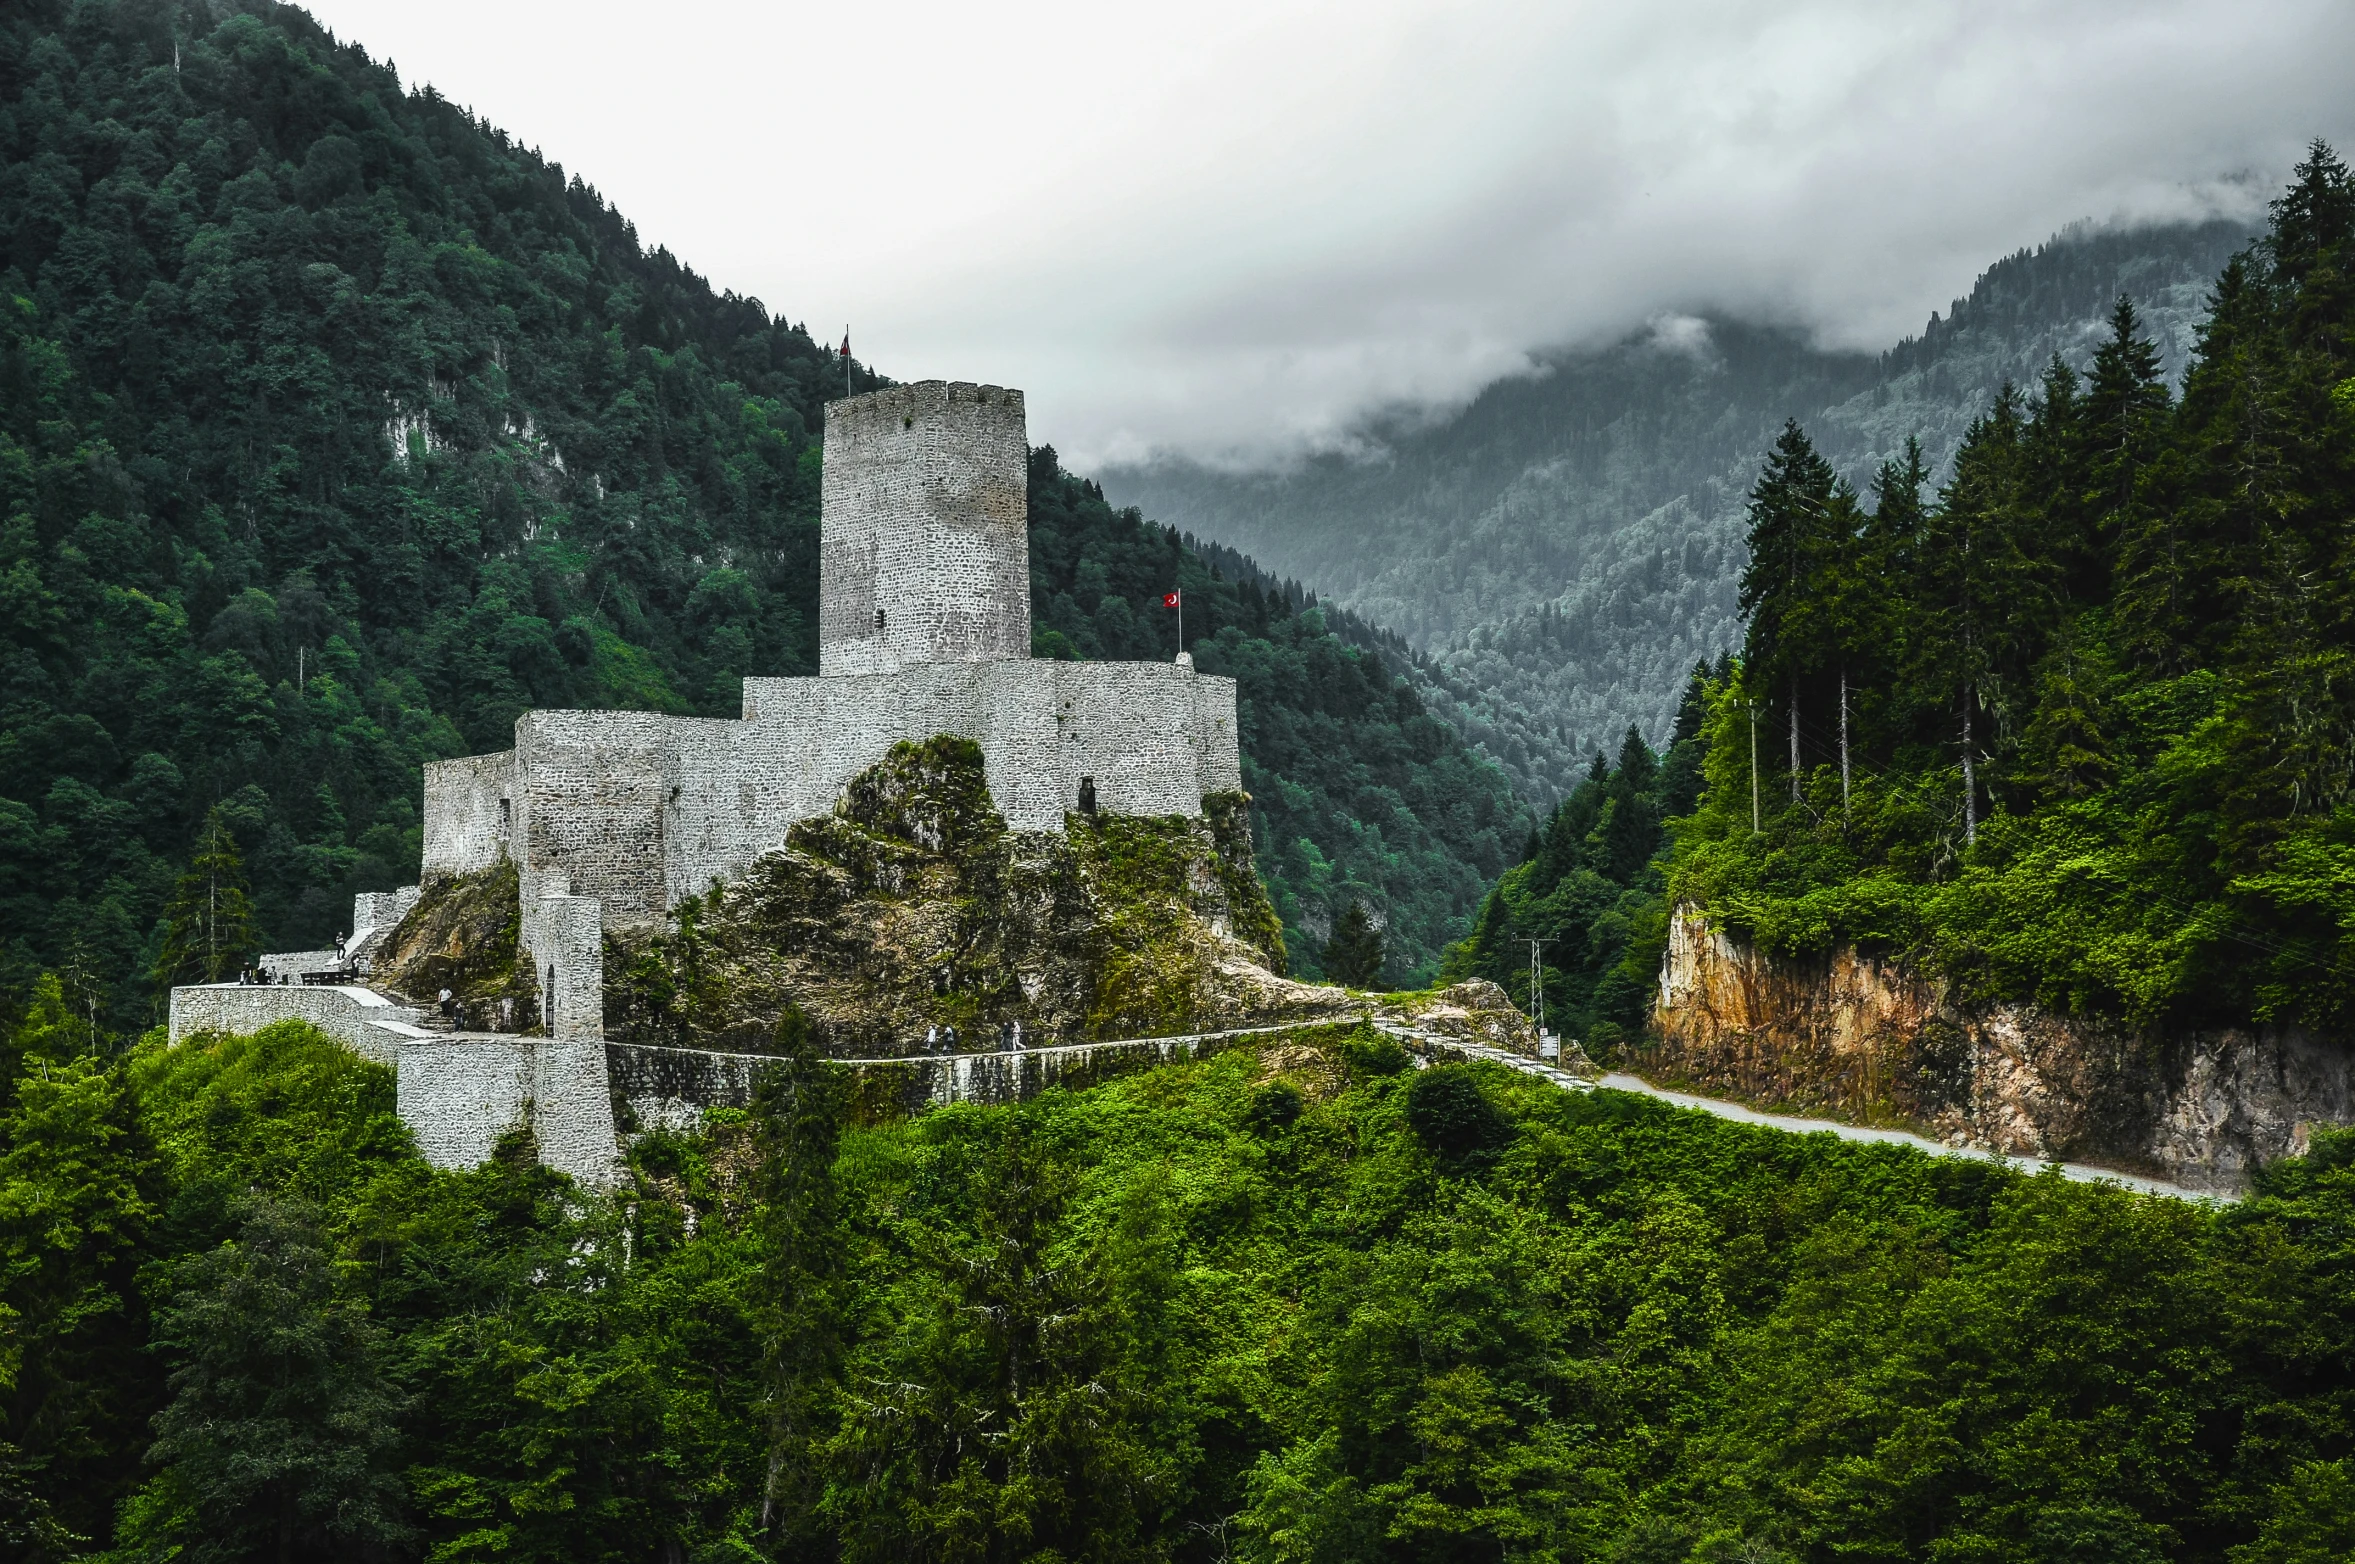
point(924, 551)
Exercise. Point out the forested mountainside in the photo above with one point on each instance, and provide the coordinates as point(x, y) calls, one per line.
point(1568, 545)
point(1358, 793)
point(338, 428)
point(1591, 887)
point(2081, 730)
point(2075, 730)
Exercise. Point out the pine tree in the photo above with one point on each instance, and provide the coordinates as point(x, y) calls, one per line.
point(1794, 540)
point(1987, 591)
point(1353, 956)
point(208, 923)
point(279, 1438)
point(1631, 831)
point(2124, 423)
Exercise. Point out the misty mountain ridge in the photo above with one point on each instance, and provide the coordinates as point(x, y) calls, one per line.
point(1564, 548)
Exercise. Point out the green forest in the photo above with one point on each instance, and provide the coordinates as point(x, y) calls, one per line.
point(338, 428)
point(2078, 728)
point(1289, 1305)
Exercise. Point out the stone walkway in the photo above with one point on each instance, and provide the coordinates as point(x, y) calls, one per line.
point(2078, 1172)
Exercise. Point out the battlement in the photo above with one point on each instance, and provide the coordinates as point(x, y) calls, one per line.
point(924, 553)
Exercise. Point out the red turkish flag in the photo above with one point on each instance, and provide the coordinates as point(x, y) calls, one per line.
point(1169, 600)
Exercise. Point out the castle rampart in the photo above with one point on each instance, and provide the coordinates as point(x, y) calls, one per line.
point(613, 818)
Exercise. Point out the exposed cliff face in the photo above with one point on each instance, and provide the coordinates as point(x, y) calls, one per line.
point(1870, 1040)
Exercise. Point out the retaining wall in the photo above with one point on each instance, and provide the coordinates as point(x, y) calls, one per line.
point(351, 1015)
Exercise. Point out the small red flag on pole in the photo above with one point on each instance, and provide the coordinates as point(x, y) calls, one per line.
point(846, 360)
point(1177, 600)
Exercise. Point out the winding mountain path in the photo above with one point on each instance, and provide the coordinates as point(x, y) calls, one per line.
point(2079, 1172)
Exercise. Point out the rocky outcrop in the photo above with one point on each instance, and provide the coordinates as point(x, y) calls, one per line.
point(1870, 1040)
point(914, 908)
point(460, 935)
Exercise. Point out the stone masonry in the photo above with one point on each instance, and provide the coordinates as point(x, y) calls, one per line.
point(613, 818)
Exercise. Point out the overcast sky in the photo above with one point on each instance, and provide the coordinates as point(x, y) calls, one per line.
point(1229, 229)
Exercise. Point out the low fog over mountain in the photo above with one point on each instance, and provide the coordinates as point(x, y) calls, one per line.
point(1564, 548)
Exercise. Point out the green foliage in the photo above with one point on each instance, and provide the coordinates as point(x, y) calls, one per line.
point(208, 923)
point(1353, 956)
point(280, 1428)
point(2100, 747)
point(336, 429)
point(1589, 887)
point(1292, 1302)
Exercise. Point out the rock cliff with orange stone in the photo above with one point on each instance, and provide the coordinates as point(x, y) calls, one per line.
point(1875, 1040)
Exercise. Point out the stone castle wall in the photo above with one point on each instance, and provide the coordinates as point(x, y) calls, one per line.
point(613, 818)
point(927, 525)
point(641, 810)
point(459, 1092)
point(467, 813)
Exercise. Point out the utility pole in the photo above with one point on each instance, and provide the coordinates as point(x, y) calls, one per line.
point(1537, 984)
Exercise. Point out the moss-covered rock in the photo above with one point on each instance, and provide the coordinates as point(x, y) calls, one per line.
point(914, 908)
point(462, 936)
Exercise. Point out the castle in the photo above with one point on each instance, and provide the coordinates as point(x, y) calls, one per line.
point(612, 818)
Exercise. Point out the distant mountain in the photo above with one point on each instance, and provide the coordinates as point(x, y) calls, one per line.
point(1564, 548)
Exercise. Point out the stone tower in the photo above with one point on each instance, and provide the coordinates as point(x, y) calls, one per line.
point(925, 552)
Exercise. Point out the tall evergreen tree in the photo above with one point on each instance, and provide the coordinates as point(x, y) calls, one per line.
point(279, 1436)
point(1793, 542)
point(1353, 956)
point(2124, 430)
point(1987, 593)
point(208, 924)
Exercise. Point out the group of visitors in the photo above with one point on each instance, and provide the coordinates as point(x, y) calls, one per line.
point(943, 1039)
point(254, 975)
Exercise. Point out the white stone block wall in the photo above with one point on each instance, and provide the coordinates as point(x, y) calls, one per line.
point(280, 965)
point(1217, 735)
point(1130, 726)
point(926, 519)
point(572, 1107)
point(592, 792)
point(351, 1015)
point(383, 909)
point(563, 938)
point(468, 810)
point(459, 1093)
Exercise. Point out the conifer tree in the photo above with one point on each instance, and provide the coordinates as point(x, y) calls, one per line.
point(279, 1437)
point(1631, 833)
point(1793, 542)
point(1987, 591)
point(208, 924)
point(1353, 956)
point(2124, 419)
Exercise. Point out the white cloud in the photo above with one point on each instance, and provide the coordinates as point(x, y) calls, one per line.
point(1231, 228)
